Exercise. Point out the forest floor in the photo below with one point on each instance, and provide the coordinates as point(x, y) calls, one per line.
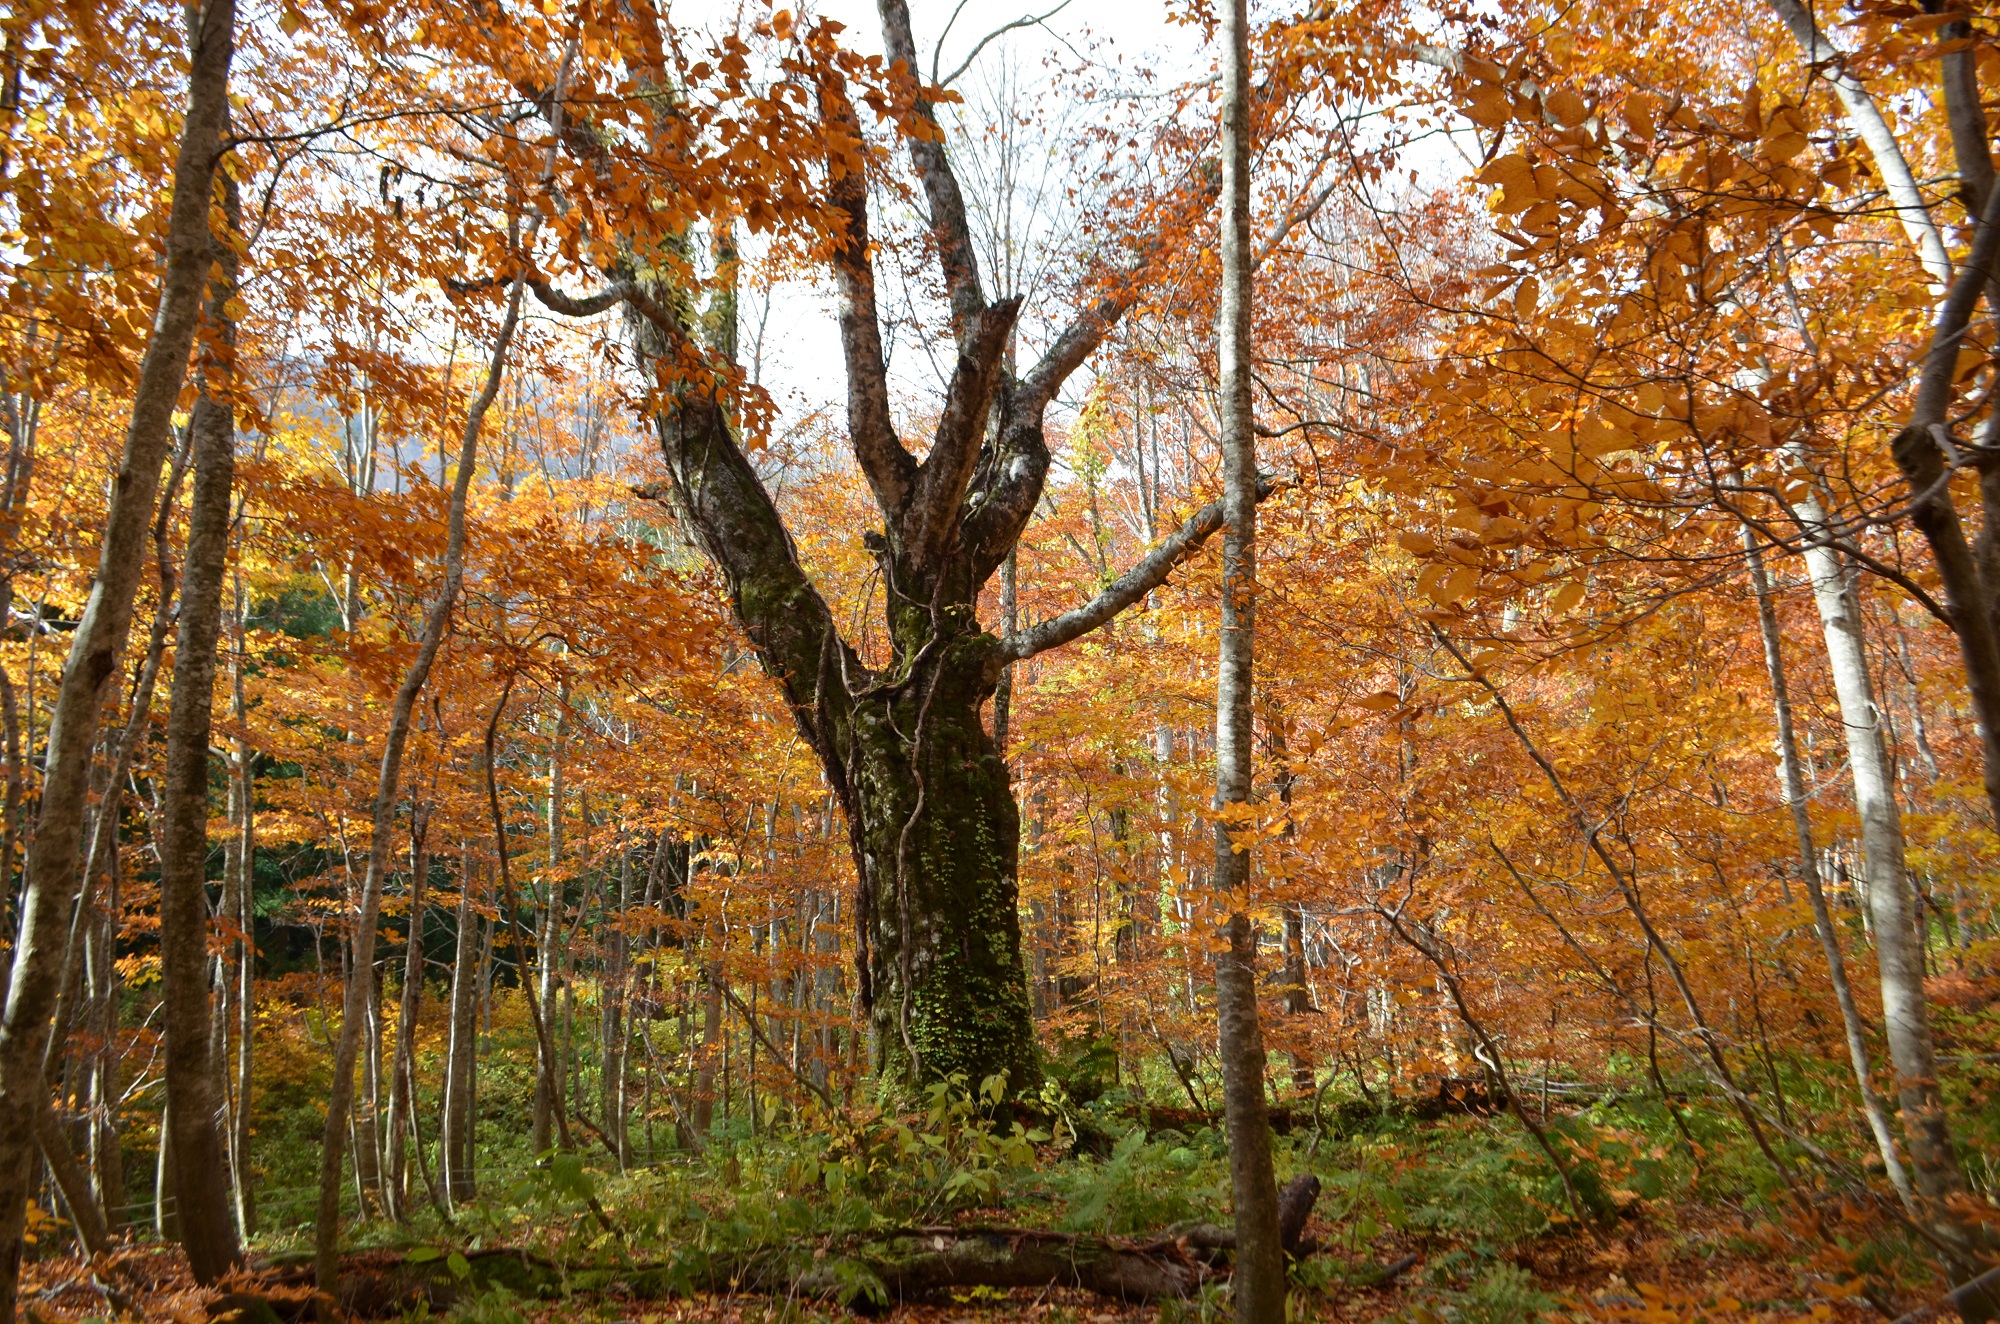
point(1440, 1219)
point(1702, 1264)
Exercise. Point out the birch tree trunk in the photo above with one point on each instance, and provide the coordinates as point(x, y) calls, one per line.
point(34, 982)
point(1872, 127)
point(1829, 936)
point(241, 863)
point(1899, 946)
point(195, 1103)
point(1259, 1279)
point(548, 1073)
point(403, 1071)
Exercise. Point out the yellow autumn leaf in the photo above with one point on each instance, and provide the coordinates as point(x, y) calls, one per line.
point(1639, 116)
point(1784, 146)
point(1526, 296)
point(1417, 544)
point(1567, 107)
point(1512, 172)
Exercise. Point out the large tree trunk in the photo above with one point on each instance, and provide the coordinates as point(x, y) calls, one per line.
point(200, 1154)
point(931, 821)
point(35, 980)
point(937, 840)
point(1260, 1268)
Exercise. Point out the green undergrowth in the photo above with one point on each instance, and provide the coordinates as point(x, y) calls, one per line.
point(1465, 1210)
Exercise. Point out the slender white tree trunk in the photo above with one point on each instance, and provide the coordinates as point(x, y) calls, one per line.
point(1899, 947)
point(354, 1006)
point(1829, 936)
point(1873, 129)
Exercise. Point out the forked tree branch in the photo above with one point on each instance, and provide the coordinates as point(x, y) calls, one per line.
point(947, 471)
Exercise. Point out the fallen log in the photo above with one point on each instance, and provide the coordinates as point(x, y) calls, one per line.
point(1295, 1205)
point(869, 1269)
point(915, 1264)
point(928, 1264)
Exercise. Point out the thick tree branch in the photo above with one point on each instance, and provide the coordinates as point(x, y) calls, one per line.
point(949, 226)
point(1925, 453)
point(723, 503)
point(587, 306)
point(1960, 75)
point(947, 471)
point(1076, 344)
point(1953, 317)
point(729, 512)
point(889, 468)
point(1150, 572)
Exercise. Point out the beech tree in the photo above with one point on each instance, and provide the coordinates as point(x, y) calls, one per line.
point(1590, 741)
point(932, 821)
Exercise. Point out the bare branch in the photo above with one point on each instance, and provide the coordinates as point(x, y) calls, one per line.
point(890, 469)
point(1150, 572)
point(1025, 21)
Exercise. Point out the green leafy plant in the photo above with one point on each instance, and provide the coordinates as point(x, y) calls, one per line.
point(496, 1305)
point(1504, 1294)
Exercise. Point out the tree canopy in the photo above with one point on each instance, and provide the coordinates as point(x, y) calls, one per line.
point(661, 653)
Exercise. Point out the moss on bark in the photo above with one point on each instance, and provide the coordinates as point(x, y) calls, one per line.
point(939, 841)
